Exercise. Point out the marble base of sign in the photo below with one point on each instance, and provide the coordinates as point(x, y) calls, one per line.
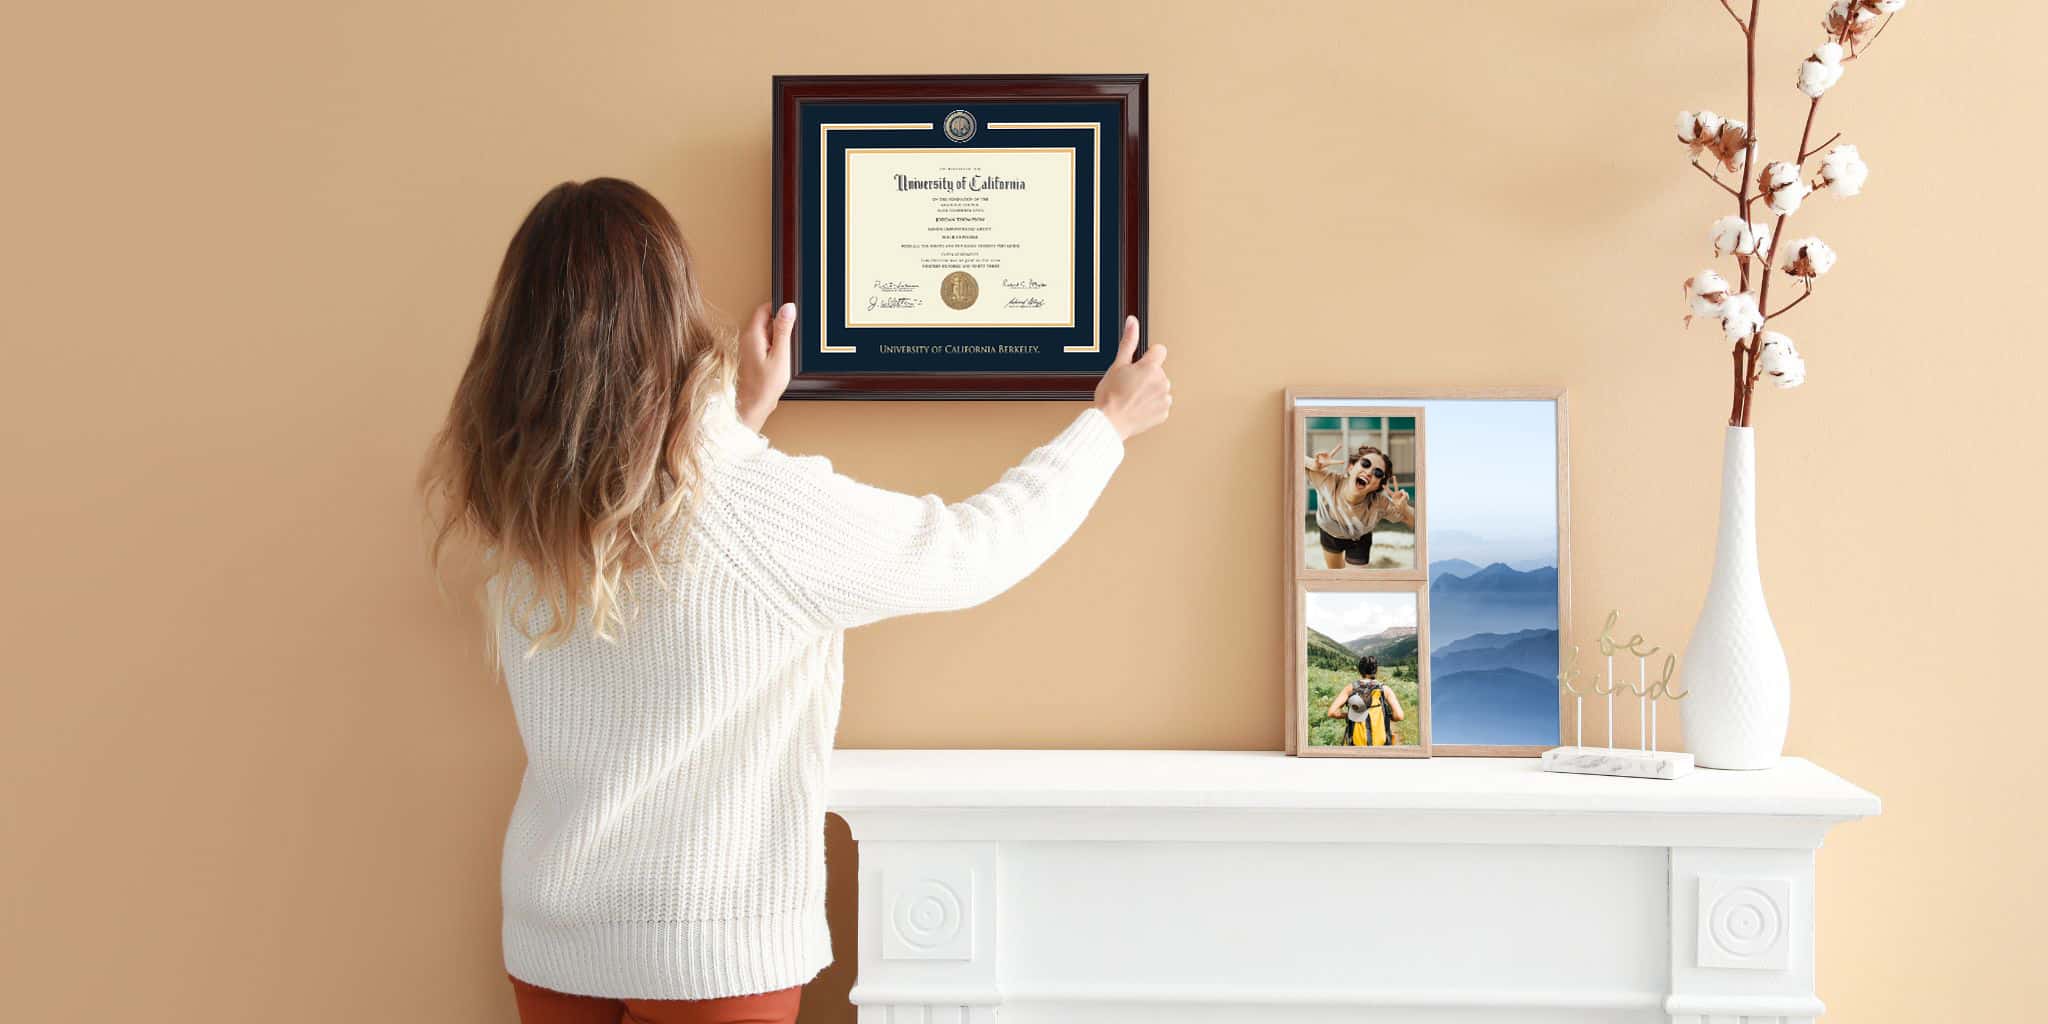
point(1634, 764)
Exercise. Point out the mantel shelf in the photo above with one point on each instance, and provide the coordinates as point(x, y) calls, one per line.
point(1099, 886)
point(1247, 780)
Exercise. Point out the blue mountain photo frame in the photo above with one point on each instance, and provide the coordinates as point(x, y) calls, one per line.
point(1493, 515)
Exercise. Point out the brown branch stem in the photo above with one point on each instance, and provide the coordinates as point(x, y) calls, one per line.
point(1710, 177)
point(1735, 410)
point(1738, 413)
point(1867, 43)
point(1763, 294)
point(1730, 8)
point(1825, 143)
point(1787, 308)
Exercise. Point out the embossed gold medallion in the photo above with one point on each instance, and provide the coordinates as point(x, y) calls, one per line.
point(959, 289)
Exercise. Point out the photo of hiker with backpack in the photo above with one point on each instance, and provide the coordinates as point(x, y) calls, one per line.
point(1364, 678)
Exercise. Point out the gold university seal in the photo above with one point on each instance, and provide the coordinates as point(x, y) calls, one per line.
point(959, 289)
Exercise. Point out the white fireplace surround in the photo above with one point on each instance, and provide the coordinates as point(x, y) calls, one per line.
point(1208, 886)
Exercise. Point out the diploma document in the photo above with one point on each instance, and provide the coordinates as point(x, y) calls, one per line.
point(950, 238)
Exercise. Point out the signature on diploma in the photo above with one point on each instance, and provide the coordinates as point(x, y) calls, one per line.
point(1022, 284)
point(1024, 302)
point(894, 296)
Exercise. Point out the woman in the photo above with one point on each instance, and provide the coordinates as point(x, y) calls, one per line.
point(670, 594)
point(1352, 500)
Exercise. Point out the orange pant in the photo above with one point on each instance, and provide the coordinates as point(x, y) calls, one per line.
point(546, 1006)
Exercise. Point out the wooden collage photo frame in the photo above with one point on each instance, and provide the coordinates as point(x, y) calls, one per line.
point(1426, 558)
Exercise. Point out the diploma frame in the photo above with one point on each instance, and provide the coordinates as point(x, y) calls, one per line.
point(812, 375)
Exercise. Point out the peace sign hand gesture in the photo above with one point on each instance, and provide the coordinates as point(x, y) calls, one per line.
point(1397, 499)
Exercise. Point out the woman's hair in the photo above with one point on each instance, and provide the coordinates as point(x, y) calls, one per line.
point(1368, 666)
point(571, 446)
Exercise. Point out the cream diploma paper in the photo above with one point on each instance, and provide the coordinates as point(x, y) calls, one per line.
point(959, 237)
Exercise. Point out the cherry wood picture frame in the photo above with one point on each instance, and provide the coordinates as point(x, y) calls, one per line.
point(792, 93)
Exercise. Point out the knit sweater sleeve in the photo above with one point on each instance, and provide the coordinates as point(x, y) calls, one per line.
point(851, 554)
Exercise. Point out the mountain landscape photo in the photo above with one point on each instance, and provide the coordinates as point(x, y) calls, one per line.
point(1390, 646)
point(1494, 653)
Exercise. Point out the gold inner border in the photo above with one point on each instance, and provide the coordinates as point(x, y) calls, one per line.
point(824, 213)
point(1094, 129)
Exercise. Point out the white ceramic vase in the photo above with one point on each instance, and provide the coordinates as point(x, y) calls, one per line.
point(1741, 688)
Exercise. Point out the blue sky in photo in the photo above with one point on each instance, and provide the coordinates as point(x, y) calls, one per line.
point(1491, 485)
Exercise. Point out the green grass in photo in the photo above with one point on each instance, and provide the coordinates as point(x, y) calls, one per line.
point(1325, 683)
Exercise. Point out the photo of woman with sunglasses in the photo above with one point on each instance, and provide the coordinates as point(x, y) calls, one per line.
point(1354, 495)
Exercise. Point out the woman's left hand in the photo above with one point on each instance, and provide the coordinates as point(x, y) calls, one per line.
point(764, 363)
point(1397, 499)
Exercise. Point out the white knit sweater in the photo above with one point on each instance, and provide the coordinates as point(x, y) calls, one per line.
point(668, 841)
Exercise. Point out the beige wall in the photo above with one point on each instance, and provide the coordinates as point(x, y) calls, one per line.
point(254, 769)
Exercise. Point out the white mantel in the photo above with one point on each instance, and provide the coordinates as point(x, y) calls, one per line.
point(1206, 886)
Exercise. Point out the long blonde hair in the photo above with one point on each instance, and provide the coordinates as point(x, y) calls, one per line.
point(570, 449)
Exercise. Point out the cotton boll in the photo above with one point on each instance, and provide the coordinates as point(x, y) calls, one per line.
point(1888, 6)
point(1697, 131)
point(1820, 72)
point(1782, 189)
point(1851, 18)
point(1779, 360)
point(1809, 258)
point(1729, 143)
point(1740, 317)
point(1732, 236)
point(1706, 294)
point(1843, 171)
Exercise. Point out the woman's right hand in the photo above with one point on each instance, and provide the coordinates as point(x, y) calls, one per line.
point(1134, 393)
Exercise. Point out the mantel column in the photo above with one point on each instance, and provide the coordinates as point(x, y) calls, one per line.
point(1742, 936)
point(928, 933)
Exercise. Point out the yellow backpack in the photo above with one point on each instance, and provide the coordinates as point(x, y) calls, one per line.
point(1372, 728)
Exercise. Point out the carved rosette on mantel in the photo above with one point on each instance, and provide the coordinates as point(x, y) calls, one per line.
point(1088, 887)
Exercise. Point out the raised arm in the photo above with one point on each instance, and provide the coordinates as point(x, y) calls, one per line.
point(853, 554)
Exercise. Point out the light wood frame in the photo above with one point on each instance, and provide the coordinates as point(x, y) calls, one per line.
point(1420, 476)
point(1298, 678)
point(1297, 581)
